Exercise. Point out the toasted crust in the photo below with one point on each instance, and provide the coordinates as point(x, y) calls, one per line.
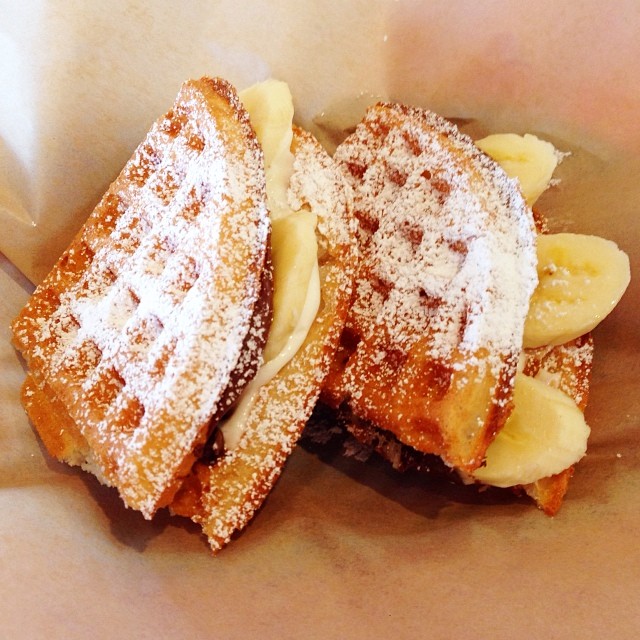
point(434, 335)
point(224, 495)
point(134, 336)
point(59, 432)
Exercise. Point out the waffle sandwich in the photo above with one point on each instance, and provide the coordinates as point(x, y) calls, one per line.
point(457, 330)
point(150, 329)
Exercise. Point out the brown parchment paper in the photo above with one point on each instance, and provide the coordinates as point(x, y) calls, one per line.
point(341, 549)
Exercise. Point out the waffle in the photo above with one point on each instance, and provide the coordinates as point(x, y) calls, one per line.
point(392, 146)
point(223, 495)
point(137, 338)
point(448, 266)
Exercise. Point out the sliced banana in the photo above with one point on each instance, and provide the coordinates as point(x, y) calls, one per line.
point(545, 434)
point(294, 251)
point(270, 108)
point(581, 278)
point(531, 160)
point(293, 240)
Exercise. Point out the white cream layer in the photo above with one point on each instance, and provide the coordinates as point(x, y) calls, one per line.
point(278, 168)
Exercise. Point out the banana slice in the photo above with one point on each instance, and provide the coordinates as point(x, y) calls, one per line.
point(545, 434)
point(294, 249)
point(270, 106)
point(581, 279)
point(531, 160)
point(295, 253)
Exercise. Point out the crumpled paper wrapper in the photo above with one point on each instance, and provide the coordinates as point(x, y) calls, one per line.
point(341, 548)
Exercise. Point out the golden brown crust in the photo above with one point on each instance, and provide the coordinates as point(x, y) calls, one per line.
point(548, 493)
point(59, 433)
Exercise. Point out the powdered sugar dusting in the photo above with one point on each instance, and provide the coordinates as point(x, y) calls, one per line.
point(448, 267)
point(157, 319)
point(566, 367)
point(321, 190)
point(446, 235)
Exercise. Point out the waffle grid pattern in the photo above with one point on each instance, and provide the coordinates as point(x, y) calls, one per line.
point(119, 330)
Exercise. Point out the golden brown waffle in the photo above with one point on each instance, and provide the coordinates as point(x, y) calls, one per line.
point(448, 266)
point(134, 337)
point(223, 496)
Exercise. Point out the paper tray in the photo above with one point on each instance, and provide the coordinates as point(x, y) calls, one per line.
point(340, 549)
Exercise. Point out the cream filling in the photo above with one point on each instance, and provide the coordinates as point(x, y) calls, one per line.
point(234, 426)
point(270, 108)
